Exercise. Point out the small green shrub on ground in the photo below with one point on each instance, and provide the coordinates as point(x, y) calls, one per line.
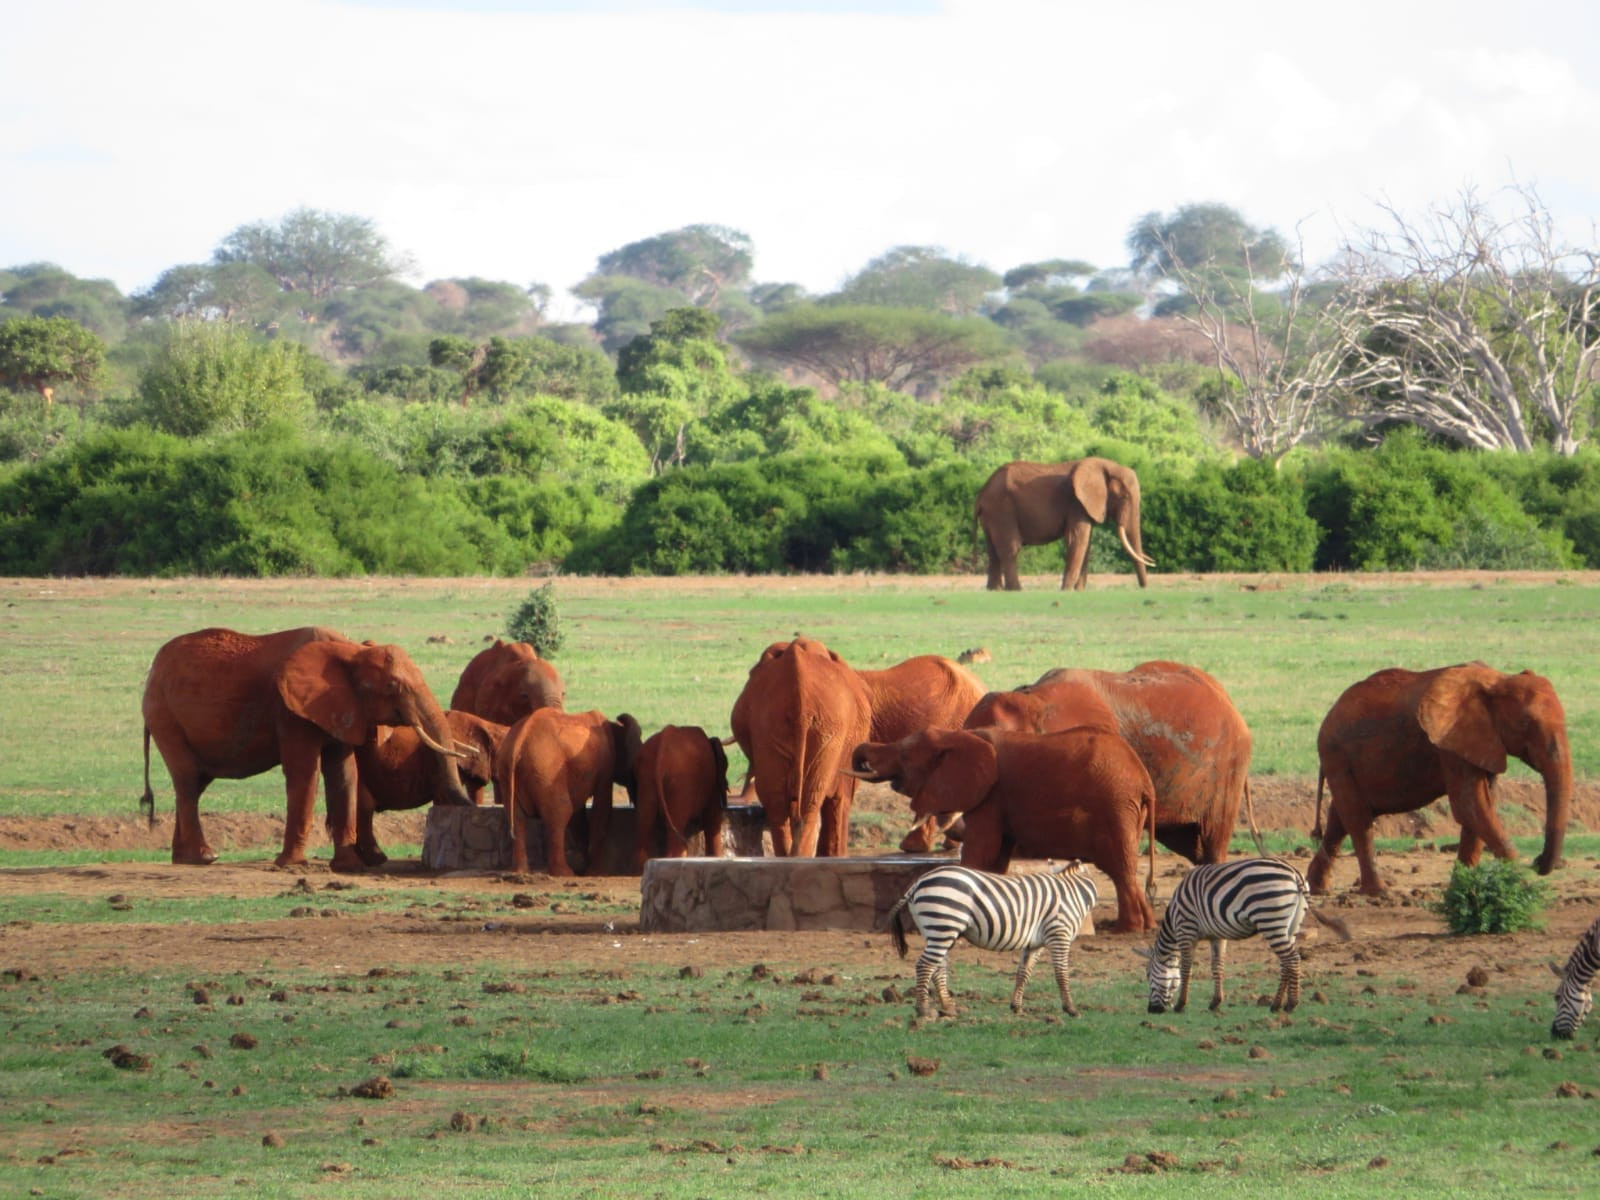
point(1497, 896)
point(537, 622)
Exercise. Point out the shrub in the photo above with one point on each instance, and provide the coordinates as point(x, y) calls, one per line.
point(537, 622)
point(1246, 518)
point(218, 378)
point(1498, 896)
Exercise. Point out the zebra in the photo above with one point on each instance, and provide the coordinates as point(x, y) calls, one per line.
point(1233, 899)
point(1573, 1000)
point(993, 912)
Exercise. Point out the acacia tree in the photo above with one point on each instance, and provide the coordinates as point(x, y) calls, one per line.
point(1281, 360)
point(41, 353)
point(1480, 329)
point(921, 277)
point(314, 252)
point(897, 347)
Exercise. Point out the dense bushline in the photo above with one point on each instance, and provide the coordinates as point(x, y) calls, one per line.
point(774, 478)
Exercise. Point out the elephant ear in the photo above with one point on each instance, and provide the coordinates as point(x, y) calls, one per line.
point(1089, 486)
point(628, 741)
point(719, 762)
point(961, 776)
point(1454, 713)
point(315, 683)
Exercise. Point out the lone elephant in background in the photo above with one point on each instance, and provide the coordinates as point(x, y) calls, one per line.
point(1400, 739)
point(1031, 504)
point(505, 682)
point(227, 705)
point(682, 775)
point(548, 765)
point(397, 771)
point(801, 712)
point(1079, 793)
point(1180, 722)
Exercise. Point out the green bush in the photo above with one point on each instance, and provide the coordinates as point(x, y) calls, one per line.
point(1497, 896)
point(219, 378)
point(537, 622)
point(1248, 517)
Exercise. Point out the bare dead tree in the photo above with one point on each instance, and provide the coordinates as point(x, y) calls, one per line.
point(1281, 361)
point(1482, 330)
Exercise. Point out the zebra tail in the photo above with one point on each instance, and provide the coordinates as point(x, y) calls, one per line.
point(897, 929)
point(1334, 923)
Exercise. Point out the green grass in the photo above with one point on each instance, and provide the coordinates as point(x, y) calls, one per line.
point(73, 654)
point(581, 1083)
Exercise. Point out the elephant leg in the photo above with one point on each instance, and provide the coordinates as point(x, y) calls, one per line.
point(366, 840)
point(556, 818)
point(189, 845)
point(599, 841)
point(834, 827)
point(519, 842)
point(1134, 914)
point(1024, 971)
point(713, 828)
point(1472, 805)
point(1361, 844)
point(809, 835)
point(1321, 865)
point(645, 827)
point(1185, 840)
point(340, 786)
point(997, 571)
point(1076, 545)
point(1219, 950)
point(300, 763)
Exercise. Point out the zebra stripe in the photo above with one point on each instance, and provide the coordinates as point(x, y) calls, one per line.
point(994, 912)
point(1573, 999)
point(1228, 901)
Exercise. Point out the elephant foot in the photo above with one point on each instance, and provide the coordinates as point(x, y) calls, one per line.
point(1375, 888)
point(372, 855)
point(347, 861)
point(1544, 865)
point(202, 857)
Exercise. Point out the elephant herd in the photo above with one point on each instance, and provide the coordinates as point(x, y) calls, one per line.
point(1079, 764)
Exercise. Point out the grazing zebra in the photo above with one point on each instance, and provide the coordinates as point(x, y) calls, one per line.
point(1232, 899)
point(1573, 1000)
point(993, 912)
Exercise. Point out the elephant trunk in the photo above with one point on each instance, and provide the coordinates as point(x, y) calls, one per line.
point(1557, 774)
point(434, 732)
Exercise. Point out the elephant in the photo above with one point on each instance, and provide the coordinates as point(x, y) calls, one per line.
point(396, 771)
point(1399, 739)
point(226, 705)
point(1031, 504)
point(682, 775)
point(1179, 721)
point(505, 682)
point(548, 764)
point(928, 691)
point(1076, 793)
point(801, 711)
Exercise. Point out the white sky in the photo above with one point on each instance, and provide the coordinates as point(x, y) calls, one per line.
point(520, 140)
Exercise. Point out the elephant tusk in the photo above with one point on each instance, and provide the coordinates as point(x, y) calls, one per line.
point(1136, 555)
point(869, 776)
point(730, 740)
point(436, 747)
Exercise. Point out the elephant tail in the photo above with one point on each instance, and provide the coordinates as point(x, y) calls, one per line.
point(897, 929)
point(1150, 874)
point(1250, 816)
point(147, 802)
point(1316, 826)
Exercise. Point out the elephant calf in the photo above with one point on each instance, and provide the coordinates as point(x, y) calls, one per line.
point(682, 789)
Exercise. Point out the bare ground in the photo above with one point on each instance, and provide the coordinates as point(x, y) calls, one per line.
point(475, 921)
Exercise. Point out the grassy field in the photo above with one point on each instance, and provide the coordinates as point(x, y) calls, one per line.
point(73, 653)
point(238, 1031)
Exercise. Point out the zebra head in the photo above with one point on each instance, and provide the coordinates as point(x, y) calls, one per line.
point(1162, 972)
point(1573, 1002)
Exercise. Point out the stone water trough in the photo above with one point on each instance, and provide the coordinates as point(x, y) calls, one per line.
point(745, 889)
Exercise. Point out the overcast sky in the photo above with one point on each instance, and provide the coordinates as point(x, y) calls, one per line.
point(520, 140)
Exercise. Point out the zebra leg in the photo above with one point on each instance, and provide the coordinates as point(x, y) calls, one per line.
point(927, 972)
point(947, 1004)
point(1024, 970)
point(1060, 956)
point(1185, 965)
point(1288, 996)
point(1219, 948)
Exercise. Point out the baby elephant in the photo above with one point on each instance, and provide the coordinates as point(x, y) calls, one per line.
point(993, 912)
point(682, 777)
point(1233, 899)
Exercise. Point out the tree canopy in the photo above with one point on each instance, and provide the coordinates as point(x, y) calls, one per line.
point(314, 252)
point(41, 353)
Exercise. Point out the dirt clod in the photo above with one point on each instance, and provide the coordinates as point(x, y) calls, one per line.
point(379, 1087)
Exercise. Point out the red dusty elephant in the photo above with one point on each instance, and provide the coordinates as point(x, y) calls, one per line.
point(1179, 721)
point(505, 682)
point(1031, 504)
point(682, 775)
point(396, 771)
point(1400, 739)
point(226, 705)
point(1078, 793)
point(548, 765)
point(801, 712)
